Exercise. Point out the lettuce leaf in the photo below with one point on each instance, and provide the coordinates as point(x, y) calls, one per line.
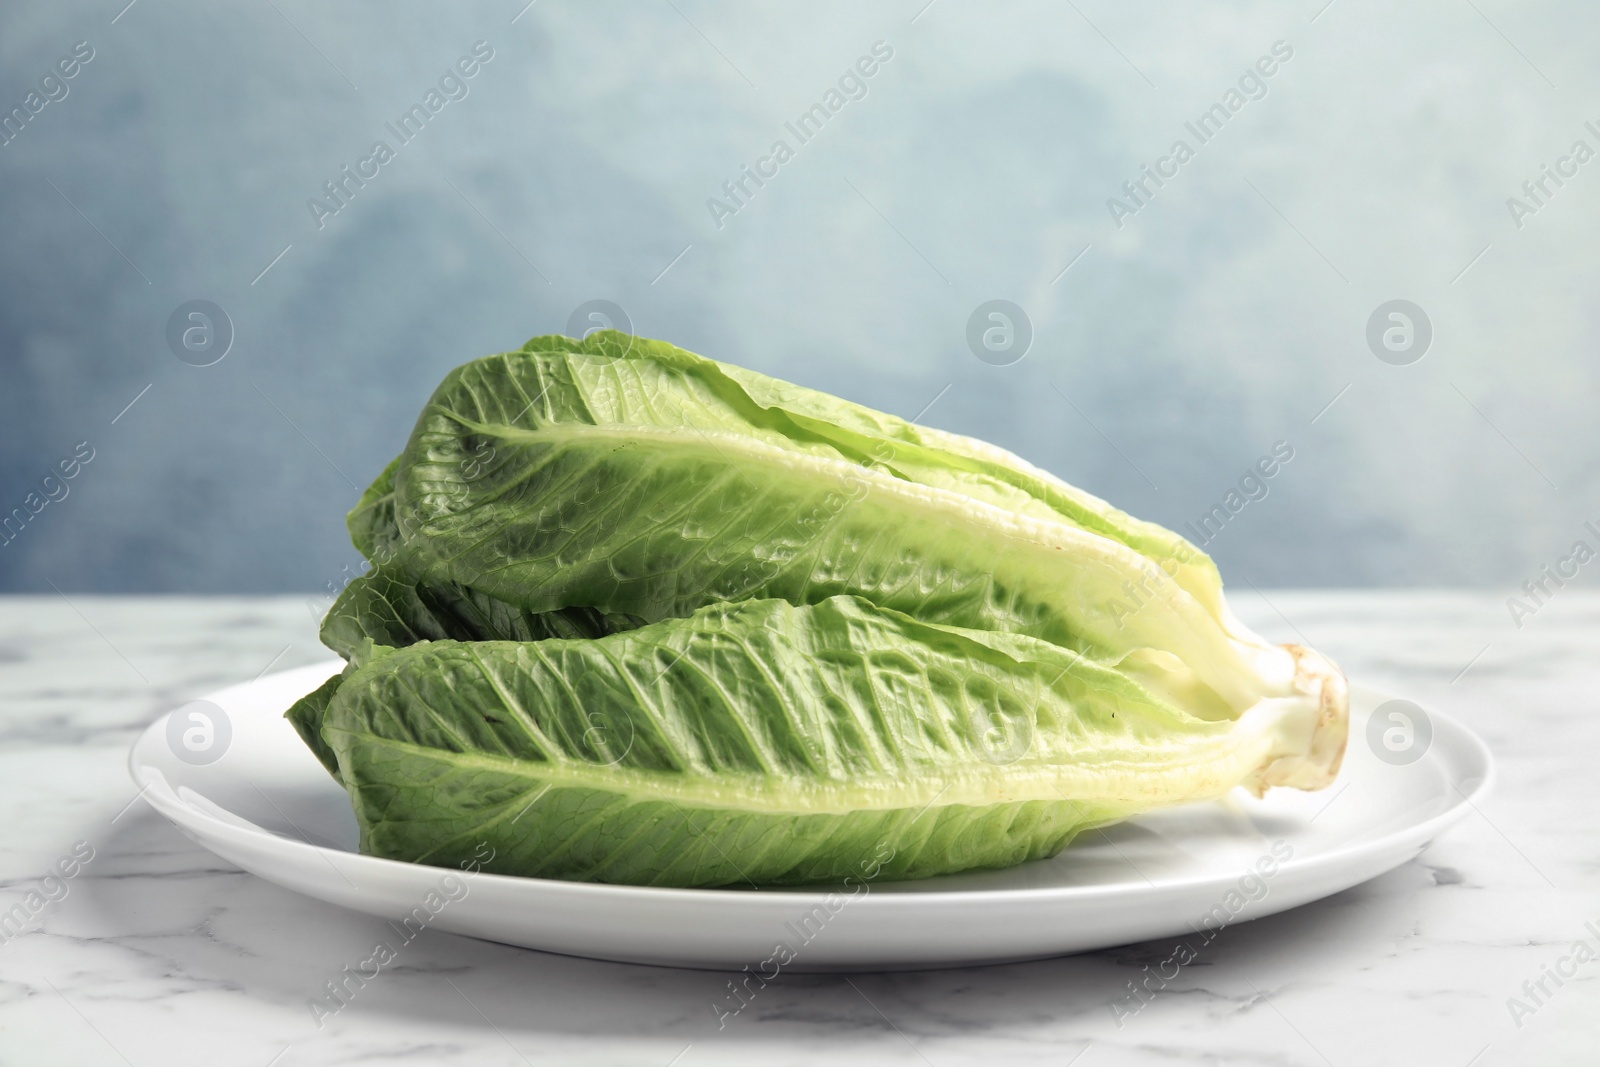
point(766, 743)
point(635, 478)
point(306, 715)
point(386, 608)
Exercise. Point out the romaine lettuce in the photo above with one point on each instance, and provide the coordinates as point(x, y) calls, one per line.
point(799, 611)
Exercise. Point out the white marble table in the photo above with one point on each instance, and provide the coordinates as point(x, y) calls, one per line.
point(157, 952)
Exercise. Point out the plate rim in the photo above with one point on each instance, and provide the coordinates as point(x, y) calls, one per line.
point(163, 796)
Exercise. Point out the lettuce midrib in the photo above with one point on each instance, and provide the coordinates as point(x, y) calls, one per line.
point(1133, 782)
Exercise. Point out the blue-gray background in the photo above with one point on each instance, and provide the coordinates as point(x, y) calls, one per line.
point(1221, 318)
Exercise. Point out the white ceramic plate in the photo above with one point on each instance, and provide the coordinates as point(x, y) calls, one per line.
point(268, 806)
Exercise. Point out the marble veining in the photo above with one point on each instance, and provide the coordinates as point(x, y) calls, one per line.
point(158, 952)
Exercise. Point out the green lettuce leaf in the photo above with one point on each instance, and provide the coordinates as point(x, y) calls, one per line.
point(386, 608)
point(635, 478)
point(371, 521)
point(307, 713)
point(767, 743)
